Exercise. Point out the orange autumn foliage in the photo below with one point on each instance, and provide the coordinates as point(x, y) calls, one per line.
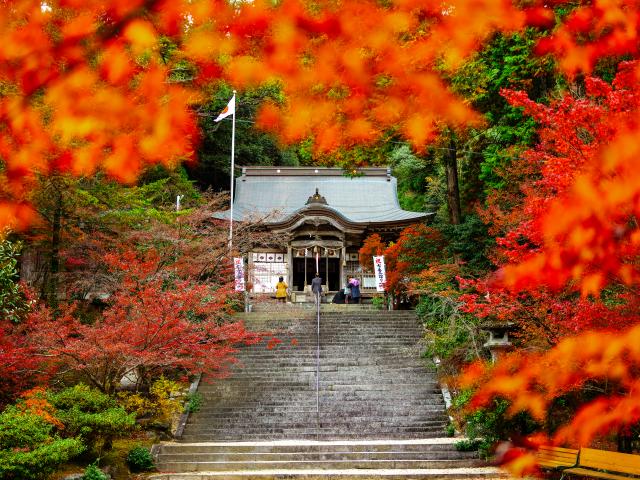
point(372, 246)
point(34, 401)
point(533, 381)
point(87, 85)
point(585, 212)
point(580, 234)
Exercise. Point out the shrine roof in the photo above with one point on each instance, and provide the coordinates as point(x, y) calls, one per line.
point(273, 194)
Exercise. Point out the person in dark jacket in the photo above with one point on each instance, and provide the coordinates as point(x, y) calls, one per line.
point(354, 284)
point(316, 286)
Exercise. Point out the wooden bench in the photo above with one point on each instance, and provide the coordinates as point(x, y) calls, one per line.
point(555, 458)
point(603, 464)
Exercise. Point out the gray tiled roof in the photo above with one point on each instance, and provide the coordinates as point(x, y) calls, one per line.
point(362, 199)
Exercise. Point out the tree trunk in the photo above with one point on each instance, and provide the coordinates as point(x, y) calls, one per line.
point(453, 191)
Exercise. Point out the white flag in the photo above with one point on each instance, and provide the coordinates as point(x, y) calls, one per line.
point(230, 109)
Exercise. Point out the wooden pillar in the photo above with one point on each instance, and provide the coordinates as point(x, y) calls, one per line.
point(343, 262)
point(326, 267)
point(304, 287)
point(290, 266)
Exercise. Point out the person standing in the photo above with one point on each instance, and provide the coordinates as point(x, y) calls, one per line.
point(316, 287)
point(354, 284)
point(281, 291)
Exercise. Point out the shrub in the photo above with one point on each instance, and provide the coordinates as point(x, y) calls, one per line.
point(486, 427)
point(94, 473)
point(91, 414)
point(450, 430)
point(168, 397)
point(164, 400)
point(28, 450)
point(195, 402)
point(139, 459)
point(468, 445)
point(453, 336)
point(378, 302)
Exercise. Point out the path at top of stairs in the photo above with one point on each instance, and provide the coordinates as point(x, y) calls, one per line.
point(374, 387)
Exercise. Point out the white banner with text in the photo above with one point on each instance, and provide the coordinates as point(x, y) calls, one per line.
point(381, 273)
point(238, 269)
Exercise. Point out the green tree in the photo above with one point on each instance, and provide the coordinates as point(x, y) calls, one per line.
point(506, 61)
point(252, 147)
point(90, 414)
point(79, 214)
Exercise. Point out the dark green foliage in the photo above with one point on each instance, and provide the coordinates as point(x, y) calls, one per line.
point(252, 146)
point(468, 445)
point(354, 156)
point(13, 303)
point(471, 242)
point(450, 430)
point(412, 173)
point(379, 302)
point(139, 459)
point(194, 402)
point(91, 414)
point(451, 333)
point(28, 450)
point(94, 473)
point(489, 426)
point(506, 61)
point(153, 198)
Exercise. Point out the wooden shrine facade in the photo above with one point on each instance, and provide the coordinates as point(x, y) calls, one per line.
point(321, 218)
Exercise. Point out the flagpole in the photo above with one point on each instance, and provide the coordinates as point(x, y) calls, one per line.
point(233, 151)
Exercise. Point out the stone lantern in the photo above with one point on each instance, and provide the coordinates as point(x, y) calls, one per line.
point(498, 342)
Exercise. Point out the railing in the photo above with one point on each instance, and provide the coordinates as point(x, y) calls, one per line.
point(317, 299)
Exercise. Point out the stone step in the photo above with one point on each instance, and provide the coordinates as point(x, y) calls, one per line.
point(345, 474)
point(373, 385)
point(288, 375)
point(229, 413)
point(421, 424)
point(164, 458)
point(334, 390)
point(189, 466)
point(326, 399)
point(276, 433)
point(327, 407)
point(369, 411)
point(308, 435)
point(378, 445)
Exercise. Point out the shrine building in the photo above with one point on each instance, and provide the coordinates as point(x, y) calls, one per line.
point(320, 218)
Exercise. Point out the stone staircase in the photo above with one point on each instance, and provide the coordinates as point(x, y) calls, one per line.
point(379, 411)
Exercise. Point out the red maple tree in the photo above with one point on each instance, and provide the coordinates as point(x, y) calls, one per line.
point(571, 241)
point(153, 324)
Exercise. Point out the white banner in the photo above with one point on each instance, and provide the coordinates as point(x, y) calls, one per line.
point(238, 270)
point(381, 273)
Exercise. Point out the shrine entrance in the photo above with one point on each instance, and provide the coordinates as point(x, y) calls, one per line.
point(304, 269)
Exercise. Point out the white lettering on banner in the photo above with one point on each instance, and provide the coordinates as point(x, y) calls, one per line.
point(238, 269)
point(381, 273)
